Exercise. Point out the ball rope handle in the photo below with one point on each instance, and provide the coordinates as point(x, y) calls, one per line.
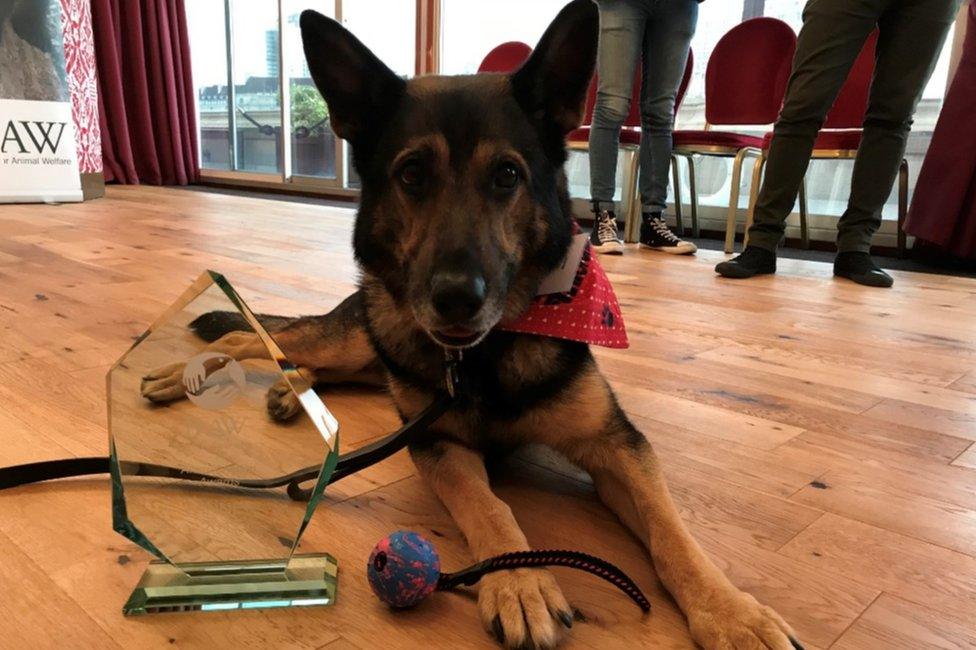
point(532, 559)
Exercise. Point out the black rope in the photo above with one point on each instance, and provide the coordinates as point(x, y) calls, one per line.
point(531, 559)
point(349, 463)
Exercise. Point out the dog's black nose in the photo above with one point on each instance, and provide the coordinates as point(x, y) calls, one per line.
point(457, 297)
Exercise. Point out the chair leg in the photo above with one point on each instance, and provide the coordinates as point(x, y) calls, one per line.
point(631, 234)
point(757, 172)
point(693, 191)
point(678, 221)
point(804, 230)
point(730, 222)
point(628, 192)
point(902, 206)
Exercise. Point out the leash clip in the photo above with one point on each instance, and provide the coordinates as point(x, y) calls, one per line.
point(453, 360)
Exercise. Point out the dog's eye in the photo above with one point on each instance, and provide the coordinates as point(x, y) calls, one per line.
point(506, 176)
point(413, 175)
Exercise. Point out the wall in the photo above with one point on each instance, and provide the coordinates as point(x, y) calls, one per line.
point(79, 55)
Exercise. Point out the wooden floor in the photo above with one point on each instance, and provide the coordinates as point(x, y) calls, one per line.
point(819, 437)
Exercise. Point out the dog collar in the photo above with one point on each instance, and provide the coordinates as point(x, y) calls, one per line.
point(587, 312)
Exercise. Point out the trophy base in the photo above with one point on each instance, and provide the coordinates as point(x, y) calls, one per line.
point(303, 581)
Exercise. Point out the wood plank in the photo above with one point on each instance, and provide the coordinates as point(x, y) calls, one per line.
point(704, 418)
point(895, 624)
point(966, 383)
point(855, 380)
point(896, 564)
point(896, 509)
point(949, 422)
point(37, 612)
point(967, 458)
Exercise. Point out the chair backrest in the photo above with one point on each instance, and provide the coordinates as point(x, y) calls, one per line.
point(748, 71)
point(506, 57)
point(852, 101)
point(634, 118)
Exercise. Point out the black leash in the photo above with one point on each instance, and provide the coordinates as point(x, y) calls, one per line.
point(531, 559)
point(350, 463)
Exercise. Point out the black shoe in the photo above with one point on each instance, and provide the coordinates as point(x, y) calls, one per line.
point(859, 267)
point(655, 234)
point(752, 261)
point(604, 237)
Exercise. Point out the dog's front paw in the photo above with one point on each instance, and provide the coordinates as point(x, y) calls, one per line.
point(283, 403)
point(734, 620)
point(164, 384)
point(524, 608)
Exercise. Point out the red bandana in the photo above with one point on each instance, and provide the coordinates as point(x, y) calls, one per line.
point(588, 312)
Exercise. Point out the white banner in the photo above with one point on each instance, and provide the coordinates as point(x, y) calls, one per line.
point(38, 161)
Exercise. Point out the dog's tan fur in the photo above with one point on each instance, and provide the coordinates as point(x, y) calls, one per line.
point(382, 333)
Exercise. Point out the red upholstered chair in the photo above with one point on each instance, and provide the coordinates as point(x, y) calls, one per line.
point(506, 57)
point(745, 82)
point(630, 137)
point(840, 138)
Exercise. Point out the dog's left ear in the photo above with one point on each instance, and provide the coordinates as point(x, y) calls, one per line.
point(552, 84)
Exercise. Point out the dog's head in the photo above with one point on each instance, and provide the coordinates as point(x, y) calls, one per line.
point(464, 207)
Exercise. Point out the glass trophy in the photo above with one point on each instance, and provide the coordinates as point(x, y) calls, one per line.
point(203, 477)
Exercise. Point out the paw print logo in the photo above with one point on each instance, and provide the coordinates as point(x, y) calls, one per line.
point(213, 381)
point(608, 318)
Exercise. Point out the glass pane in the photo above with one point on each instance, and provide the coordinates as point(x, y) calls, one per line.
point(208, 47)
point(392, 38)
point(471, 29)
point(256, 72)
point(313, 144)
point(198, 462)
point(789, 11)
point(388, 28)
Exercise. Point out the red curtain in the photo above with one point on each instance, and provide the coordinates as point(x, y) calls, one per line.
point(145, 91)
point(943, 210)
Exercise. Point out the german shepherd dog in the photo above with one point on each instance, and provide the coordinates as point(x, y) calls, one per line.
point(464, 211)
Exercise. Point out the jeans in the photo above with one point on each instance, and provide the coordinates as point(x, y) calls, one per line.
point(658, 34)
point(912, 33)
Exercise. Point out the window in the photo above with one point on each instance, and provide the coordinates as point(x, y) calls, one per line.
point(258, 110)
point(469, 30)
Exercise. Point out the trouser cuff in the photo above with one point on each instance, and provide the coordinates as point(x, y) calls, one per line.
point(764, 240)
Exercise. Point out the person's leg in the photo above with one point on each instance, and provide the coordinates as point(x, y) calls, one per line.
point(912, 34)
point(833, 34)
point(667, 40)
point(621, 36)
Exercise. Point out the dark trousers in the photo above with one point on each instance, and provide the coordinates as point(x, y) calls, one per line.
point(912, 34)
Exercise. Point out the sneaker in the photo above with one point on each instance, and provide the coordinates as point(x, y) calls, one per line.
point(604, 237)
point(656, 235)
point(859, 267)
point(752, 261)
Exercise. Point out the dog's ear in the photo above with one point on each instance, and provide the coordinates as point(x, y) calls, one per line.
point(552, 84)
point(356, 85)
